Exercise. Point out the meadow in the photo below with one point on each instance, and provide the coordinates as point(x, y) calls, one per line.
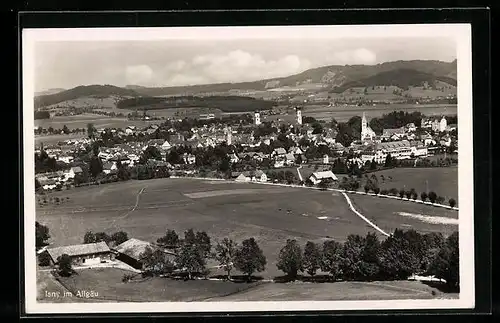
point(223, 209)
point(167, 290)
point(99, 121)
point(442, 180)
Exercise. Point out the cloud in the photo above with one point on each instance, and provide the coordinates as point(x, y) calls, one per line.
point(138, 74)
point(239, 65)
point(354, 56)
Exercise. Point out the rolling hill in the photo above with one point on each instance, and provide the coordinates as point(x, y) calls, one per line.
point(402, 78)
point(82, 91)
point(335, 77)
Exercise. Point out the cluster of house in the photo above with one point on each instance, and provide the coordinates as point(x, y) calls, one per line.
point(130, 252)
point(50, 181)
point(403, 142)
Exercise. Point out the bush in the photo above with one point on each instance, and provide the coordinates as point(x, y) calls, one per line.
point(452, 202)
point(393, 191)
point(440, 200)
point(376, 190)
point(401, 193)
point(367, 189)
point(384, 192)
point(408, 194)
point(432, 197)
point(423, 196)
point(127, 277)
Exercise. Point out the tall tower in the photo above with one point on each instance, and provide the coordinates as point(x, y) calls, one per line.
point(299, 115)
point(257, 118)
point(229, 135)
point(364, 125)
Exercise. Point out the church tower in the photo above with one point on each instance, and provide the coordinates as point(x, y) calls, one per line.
point(257, 118)
point(364, 127)
point(229, 136)
point(299, 115)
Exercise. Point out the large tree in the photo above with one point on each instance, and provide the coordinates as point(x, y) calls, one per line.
point(190, 259)
point(225, 253)
point(203, 242)
point(331, 258)
point(95, 166)
point(41, 235)
point(64, 264)
point(250, 258)
point(370, 257)
point(446, 263)
point(155, 262)
point(119, 237)
point(170, 239)
point(290, 259)
point(352, 256)
point(312, 258)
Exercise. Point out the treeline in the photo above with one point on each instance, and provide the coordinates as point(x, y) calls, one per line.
point(401, 255)
point(224, 103)
point(395, 119)
point(42, 115)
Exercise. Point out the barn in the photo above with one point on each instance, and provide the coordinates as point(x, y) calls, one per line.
point(83, 254)
point(130, 252)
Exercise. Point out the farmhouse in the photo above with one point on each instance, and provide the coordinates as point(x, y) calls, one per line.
point(130, 252)
point(83, 254)
point(319, 176)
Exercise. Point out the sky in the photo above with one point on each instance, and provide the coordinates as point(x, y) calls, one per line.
point(66, 64)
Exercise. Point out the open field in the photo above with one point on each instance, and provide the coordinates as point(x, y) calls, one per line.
point(338, 291)
point(242, 210)
point(99, 121)
point(54, 139)
point(165, 290)
point(442, 180)
point(344, 113)
point(148, 289)
point(390, 214)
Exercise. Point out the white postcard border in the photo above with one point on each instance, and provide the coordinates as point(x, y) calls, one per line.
point(460, 32)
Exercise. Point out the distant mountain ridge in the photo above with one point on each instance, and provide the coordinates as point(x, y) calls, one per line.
point(334, 77)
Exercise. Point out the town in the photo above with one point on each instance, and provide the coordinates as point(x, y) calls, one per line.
point(248, 149)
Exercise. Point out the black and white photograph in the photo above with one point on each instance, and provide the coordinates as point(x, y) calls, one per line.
point(220, 169)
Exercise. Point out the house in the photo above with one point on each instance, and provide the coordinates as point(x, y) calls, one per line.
point(130, 252)
point(410, 127)
point(260, 176)
point(325, 159)
point(393, 134)
point(65, 159)
point(279, 163)
point(317, 177)
point(279, 152)
point(242, 178)
point(428, 140)
point(289, 159)
point(189, 159)
point(109, 168)
point(166, 145)
point(74, 171)
point(83, 254)
point(233, 158)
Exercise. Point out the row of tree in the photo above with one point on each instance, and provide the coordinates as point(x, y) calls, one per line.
point(400, 256)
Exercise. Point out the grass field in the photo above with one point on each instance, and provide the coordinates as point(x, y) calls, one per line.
point(149, 289)
point(99, 121)
point(223, 209)
point(442, 180)
point(358, 291)
point(390, 214)
point(165, 290)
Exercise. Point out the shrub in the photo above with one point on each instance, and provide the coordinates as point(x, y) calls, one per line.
point(367, 188)
point(393, 191)
point(440, 200)
point(127, 277)
point(384, 192)
point(432, 197)
point(423, 196)
point(408, 194)
point(452, 202)
point(414, 195)
point(401, 193)
point(376, 190)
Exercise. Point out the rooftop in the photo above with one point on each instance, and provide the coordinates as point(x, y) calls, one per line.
point(78, 250)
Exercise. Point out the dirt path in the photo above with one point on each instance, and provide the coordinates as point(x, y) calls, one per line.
point(131, 210)
point(362, 216)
